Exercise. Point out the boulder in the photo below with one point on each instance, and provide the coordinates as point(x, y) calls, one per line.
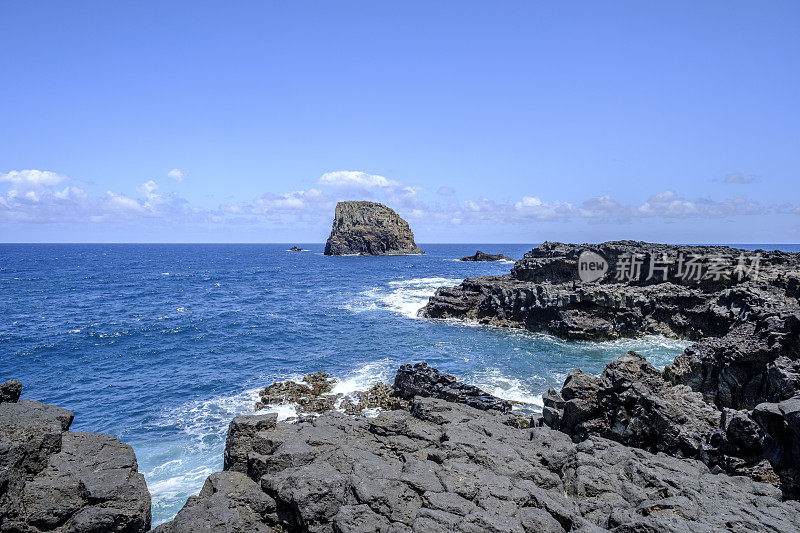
point(631, 403)
point(10, 391)
point(56, 480)
point(423, 380)
point(780, 422)
point(369, 228)
point(229, 502)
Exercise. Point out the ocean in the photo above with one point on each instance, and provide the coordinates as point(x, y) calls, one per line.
point(161, 345)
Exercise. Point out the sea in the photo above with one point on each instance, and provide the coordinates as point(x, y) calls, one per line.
point(161, 345)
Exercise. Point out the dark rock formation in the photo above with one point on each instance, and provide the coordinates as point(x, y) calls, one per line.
point(481, 256)
point(781, 424)
point(296, 249)
point(631, 403)
point(422, 380)
point(10, 391)
point(745, 321)
point(228, 502)
point(369, 228)
point(55, 480)
point(443, 466)
point(311, 396)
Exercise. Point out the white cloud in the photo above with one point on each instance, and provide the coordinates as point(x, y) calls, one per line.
point(34, 196)
point(33, 178)
point(120, 202)
point(535, 208)
point(176, 174)
point(355, 180)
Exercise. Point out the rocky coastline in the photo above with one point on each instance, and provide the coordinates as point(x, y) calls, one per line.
point(447, 462)
point(730, 400)
point(711, 443)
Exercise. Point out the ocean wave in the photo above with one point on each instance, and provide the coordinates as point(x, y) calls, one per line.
point(404, 297)
point(506, 387)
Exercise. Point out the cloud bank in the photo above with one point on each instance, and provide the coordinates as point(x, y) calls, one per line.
point(41, 196)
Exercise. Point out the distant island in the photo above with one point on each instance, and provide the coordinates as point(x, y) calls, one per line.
point(296, 249)
point(369, 228)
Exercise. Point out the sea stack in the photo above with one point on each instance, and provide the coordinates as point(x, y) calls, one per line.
point(369, 228)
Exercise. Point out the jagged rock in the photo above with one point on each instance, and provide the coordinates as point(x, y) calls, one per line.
point(781, 423)
point(422, 380)
point(10, 391)
point(310, 396)
point(55, 480)
point(631, 403)
point(481, 256)
point(241, 438)
point(379, 396)
point(746, 328)
point(442, 466)
point(296, 249)
point(229, 502)
point(369, 228)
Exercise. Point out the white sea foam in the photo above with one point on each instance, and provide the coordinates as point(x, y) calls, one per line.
point(405, 297)
point(506, 387)
point(365, 377)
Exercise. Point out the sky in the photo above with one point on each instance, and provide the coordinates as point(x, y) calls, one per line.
point(476, 121)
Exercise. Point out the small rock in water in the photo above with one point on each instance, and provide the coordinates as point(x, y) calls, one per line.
point(481, 256)
point(311, 396)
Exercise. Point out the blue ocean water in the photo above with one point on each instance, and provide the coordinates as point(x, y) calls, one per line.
point(161, 345)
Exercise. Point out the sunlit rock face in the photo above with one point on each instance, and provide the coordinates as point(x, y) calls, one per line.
point(369, 228)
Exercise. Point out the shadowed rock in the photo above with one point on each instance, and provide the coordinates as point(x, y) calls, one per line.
point(10, 391)
point(422, 380)
point(369, 228)
point(55, 480)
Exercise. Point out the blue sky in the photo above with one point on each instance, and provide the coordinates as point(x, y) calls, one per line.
point(478, 122)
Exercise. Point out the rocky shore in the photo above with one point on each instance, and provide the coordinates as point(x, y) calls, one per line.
point(440, 455)
point(56, 480)
point(441, 464)
point(369, 228)
point(730, 400)
point(711, 443)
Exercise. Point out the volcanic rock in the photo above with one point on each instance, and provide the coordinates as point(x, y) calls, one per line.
point(745, 322)
point(369, 228)
point(10, 391)
point(56, 480)
point(440, 466)
point(422, 380)
point(481, 256)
